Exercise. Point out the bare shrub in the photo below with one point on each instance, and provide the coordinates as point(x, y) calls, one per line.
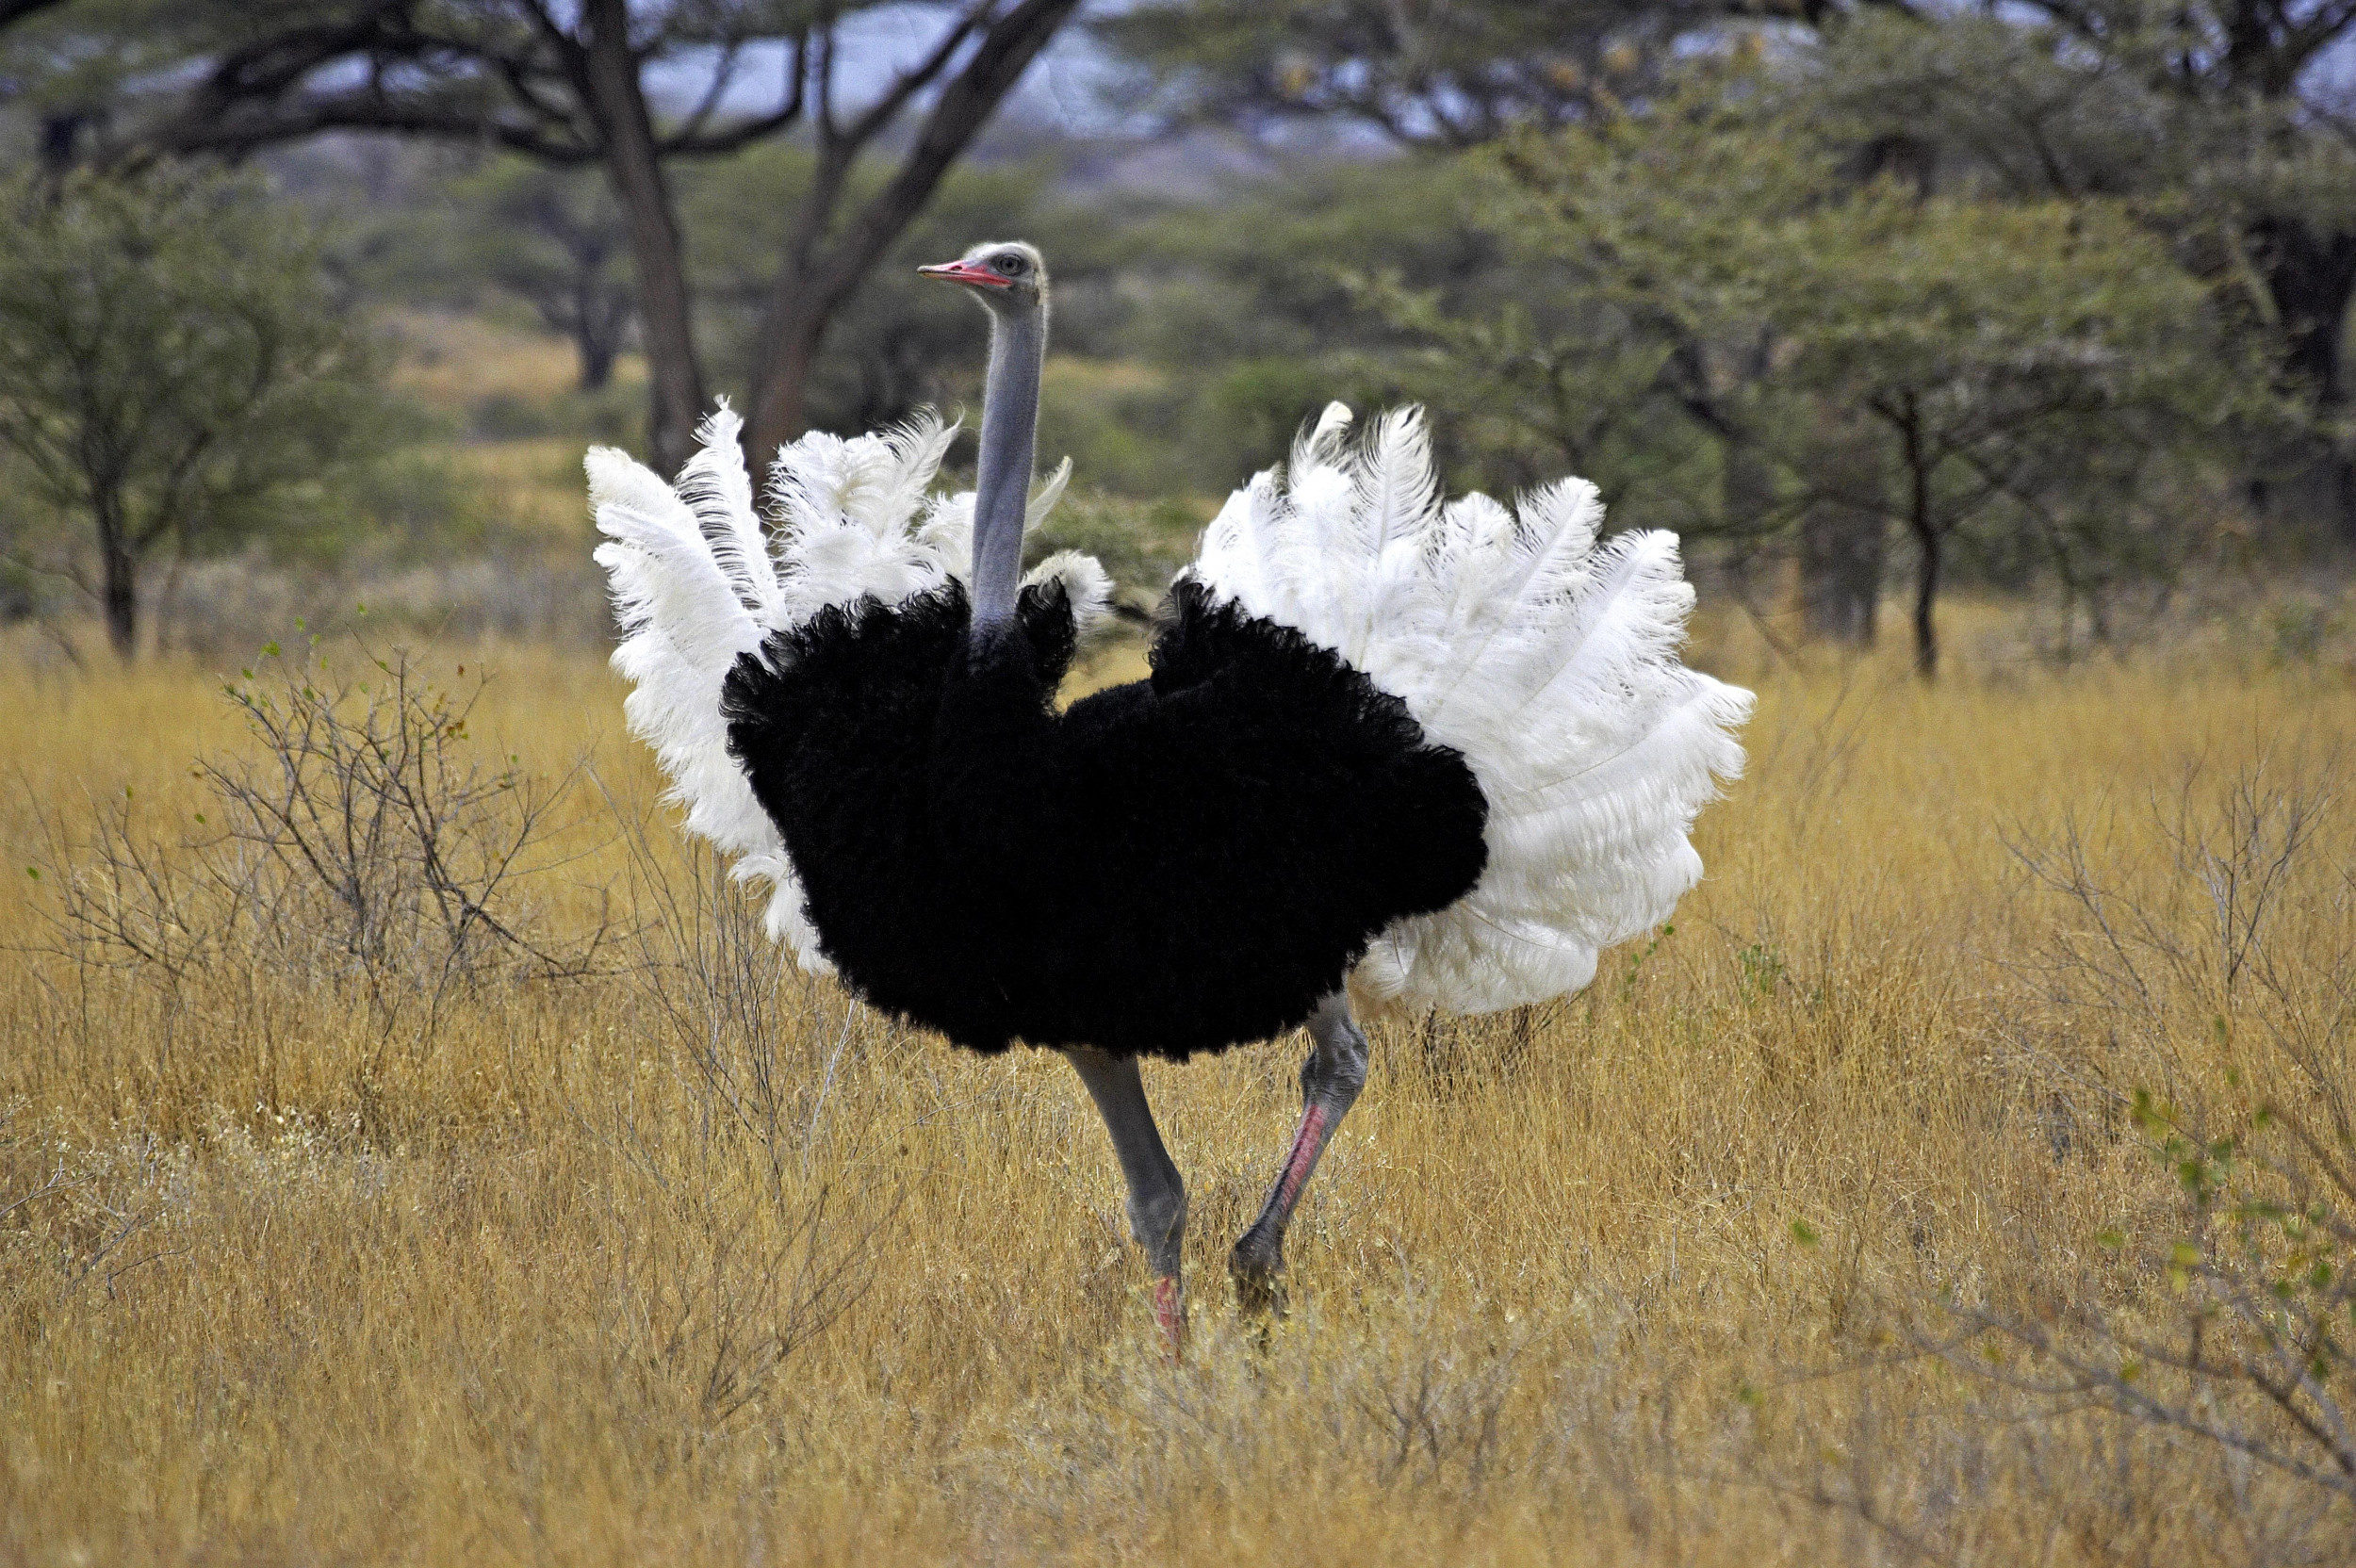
point(2224, 967)
point(765, 1044)
point(2141, 943)
point(742, 1215)
point(715, 1277)
point(364, 843)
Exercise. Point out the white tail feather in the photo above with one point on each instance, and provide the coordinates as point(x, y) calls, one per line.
point(1550, 663)
point(698, 581)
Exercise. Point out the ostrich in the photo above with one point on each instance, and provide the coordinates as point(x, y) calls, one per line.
point(1416, 753)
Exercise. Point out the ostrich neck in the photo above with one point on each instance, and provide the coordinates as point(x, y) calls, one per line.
point(1017, 349)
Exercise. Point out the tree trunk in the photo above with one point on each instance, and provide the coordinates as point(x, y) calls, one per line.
point(1746, 490)
point(788, 351)
point(597, 360)
point(2311, 278)
point(597, 331)
point(1843, 538)
point(1841, 559)
point(666, 313)
point(1925, 522)
point(1925, 601)
point(119, 580)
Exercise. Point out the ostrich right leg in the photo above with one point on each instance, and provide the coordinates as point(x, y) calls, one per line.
point(1157, 1197)
point(1330, 1082)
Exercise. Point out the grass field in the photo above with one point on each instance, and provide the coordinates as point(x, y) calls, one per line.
point(1824, 1226)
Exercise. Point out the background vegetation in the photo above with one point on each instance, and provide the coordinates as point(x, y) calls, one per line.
point(2055, 303)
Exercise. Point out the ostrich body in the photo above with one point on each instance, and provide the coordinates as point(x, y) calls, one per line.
point(1435, 756)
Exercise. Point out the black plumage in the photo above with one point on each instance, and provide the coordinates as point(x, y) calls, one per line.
point(1178, 864)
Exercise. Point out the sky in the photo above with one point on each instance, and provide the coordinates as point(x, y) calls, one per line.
point(1064, 88)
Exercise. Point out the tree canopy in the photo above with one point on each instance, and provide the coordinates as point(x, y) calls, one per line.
point(174, 369)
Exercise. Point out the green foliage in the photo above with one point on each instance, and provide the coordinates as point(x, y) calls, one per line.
point(174, 369)
point(2256, 1260)
point(554, 238)
point(1190, 340)
point(893, 345)
point(1429, 76)
point(1143, 545)
point(1247, 317)
point(1709, 283)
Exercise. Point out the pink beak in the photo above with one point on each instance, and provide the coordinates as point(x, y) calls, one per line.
point(966, 271)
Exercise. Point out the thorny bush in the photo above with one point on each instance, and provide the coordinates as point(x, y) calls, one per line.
point(2229, 962)
point(362, 842)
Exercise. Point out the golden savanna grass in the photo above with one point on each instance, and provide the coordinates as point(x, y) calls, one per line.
point(688, 1259)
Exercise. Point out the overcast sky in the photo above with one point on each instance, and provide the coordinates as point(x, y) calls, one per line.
point(1062, 88)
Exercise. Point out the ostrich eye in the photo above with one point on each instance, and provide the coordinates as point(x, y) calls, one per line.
point(1010, 266)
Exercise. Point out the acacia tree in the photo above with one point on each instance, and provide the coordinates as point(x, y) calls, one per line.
point(1427, 73)
point(2033, 365)
point(555, 239)
point(172, 365)
point(1443, 76)
point(2013, 374)
point(2227, 120)
point(568, 86)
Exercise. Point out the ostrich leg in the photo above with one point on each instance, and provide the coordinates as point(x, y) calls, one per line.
point(1157, 1197)
point(1330, 1082)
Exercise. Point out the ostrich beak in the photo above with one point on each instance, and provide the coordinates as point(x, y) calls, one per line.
point(966, 271)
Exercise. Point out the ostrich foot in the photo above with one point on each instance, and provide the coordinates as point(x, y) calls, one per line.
point(1157, 1197)
point(1330, 1082)
point(1258, 1271)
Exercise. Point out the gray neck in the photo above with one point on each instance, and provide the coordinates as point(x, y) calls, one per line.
point(1017, 349)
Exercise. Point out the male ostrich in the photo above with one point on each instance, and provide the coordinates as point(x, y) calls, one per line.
point(1425, 754)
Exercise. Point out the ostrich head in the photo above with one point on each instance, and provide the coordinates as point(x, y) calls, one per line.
point(1010, 280)
point(1007, 276)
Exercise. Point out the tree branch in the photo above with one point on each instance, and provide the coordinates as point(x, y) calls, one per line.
point(13, 11)
point(908, 83)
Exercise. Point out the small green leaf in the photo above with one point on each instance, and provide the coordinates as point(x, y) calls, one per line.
point(33, 872)
point(269, 650)
point(1802, 1233)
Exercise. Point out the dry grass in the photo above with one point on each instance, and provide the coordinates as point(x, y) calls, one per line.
point(451, 360)
point(688, 1261)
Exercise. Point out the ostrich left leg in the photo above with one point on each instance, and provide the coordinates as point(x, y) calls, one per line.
point(1330, 1082)
point(1157, 1196)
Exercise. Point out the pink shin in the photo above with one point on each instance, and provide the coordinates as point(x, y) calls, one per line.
point(1169, 1312)
point(1306, 1144)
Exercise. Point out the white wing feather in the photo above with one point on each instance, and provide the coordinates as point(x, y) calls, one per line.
point(698, 578)
point(1550, 663)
